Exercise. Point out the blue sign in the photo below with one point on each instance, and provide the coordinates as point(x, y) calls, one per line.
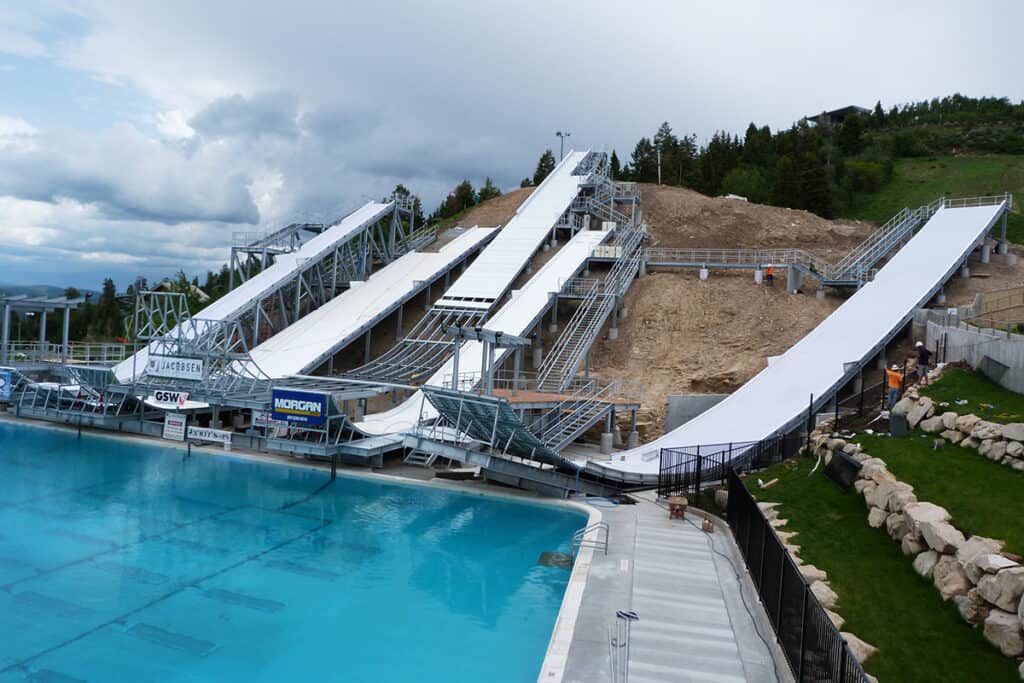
point(6, 384)
point(303, 407)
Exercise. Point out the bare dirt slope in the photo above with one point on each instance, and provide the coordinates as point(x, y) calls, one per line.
point(684, 336)
point(684, 218)
point(687, 336)
point(497, 211)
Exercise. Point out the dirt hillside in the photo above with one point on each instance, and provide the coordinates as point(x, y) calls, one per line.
point(497, 211)
point(684, 218)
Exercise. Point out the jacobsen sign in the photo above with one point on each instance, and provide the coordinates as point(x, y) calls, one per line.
point(175, 367)
point(303, 407)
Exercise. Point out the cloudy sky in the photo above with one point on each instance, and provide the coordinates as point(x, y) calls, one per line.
point(136, 137)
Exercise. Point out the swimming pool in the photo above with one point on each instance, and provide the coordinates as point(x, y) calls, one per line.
point(128, 562)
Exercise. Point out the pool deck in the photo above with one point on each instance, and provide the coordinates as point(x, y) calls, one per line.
point(694, 623)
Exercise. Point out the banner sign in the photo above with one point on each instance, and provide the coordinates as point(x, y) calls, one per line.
point(174, 426)
point(175, 367)
point(302, 407)
point(263, 419)
point(176, 399)
point(6, 383)
point(221, 436)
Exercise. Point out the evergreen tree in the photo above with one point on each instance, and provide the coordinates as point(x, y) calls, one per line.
point(545, 165)
point(489, 190)
point(849, 135)
point(465, 195)
point(644, 164)
point(525, 182)
point(615, 167)
point(878, 115)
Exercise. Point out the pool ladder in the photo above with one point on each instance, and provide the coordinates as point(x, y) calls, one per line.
point(597, 539)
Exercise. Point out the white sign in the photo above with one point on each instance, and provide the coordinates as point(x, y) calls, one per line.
point(171, 398)
point(220, 436)
point(175, 367)
point(174, 426)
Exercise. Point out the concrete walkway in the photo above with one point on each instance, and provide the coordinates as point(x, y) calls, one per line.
point(693, 622)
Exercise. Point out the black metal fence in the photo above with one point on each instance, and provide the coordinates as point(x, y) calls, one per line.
point(686, 470)
point(810, 641)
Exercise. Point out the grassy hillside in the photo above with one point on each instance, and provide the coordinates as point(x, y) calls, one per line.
point(921, 180)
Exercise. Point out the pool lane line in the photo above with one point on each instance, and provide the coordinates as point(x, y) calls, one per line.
point(116, 547)
point(122, 619)
point(308, 497)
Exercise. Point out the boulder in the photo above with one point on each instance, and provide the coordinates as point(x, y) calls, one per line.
point(826, 596)
point(942, 536)
point(987, 430)
point(1014, 449)
point(870, 466)
point(861, 484)
point(917, 513)
point(1017, 465)
point(970, 442)
point(768, 510)
point(889, 495)
point(868, 490)
point(952, 436)
point(998, 451)
point(722, 499)
point(852, 448)
point(910, 545)
point(924, 563)
point(812, 573)
point(971, 550)
point(972, 607)
point(949, 420)
point(933, 425)
point(903, 406)
point(924, 407)
point(949, 577)
point(965, 423)
point(897, 526)
point(1002, 629)
point(984, 447)
point(1013, 431)
point(860, 649)
point(877, 517)
point(836, 620)
point(992, 563)
point(1003, 589)
point(836, 444)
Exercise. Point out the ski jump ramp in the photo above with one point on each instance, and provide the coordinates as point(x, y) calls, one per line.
point(777, 398)
point(518, 316)
point(308, 342)
point(284, 270)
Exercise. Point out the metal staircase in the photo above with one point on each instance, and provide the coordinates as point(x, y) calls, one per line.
point(596, 305)
point(578, 413)
point(854, 268)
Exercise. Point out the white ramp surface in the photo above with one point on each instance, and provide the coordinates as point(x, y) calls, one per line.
point(303, 345)
point(515, 317)
point(284, 268)
point(493, 271)
point(815, 364)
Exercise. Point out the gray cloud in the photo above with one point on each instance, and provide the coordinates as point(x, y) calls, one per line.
point(269, 113)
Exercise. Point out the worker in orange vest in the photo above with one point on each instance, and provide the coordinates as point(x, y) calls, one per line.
point(769, 277)
point(894, 380)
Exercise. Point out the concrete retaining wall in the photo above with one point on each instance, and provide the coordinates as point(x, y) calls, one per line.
point(685, 407)
point(997, 354)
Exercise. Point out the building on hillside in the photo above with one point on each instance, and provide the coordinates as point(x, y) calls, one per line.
point(836, 116)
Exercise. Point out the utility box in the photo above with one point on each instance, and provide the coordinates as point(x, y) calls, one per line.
point(842, 469)
point(898, 425)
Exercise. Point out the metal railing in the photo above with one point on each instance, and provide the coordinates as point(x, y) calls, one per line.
point(593, 536)
point(811, 643)
point(77, 352)
point(687, 470)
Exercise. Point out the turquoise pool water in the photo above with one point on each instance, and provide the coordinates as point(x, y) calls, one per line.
point(124, 562)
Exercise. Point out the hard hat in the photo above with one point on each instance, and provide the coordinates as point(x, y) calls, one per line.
point(895, 368)
point(919, 344)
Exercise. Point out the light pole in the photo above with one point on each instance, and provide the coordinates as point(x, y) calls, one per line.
point(561, 142)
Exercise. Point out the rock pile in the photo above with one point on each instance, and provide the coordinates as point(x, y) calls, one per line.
point(985, 583)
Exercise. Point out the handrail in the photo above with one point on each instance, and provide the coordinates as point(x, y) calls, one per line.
point(580, 540)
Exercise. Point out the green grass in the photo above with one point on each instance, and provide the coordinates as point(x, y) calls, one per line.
point(986, 399)
point(983, 496)
point(919, 181)
point(920, 637)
